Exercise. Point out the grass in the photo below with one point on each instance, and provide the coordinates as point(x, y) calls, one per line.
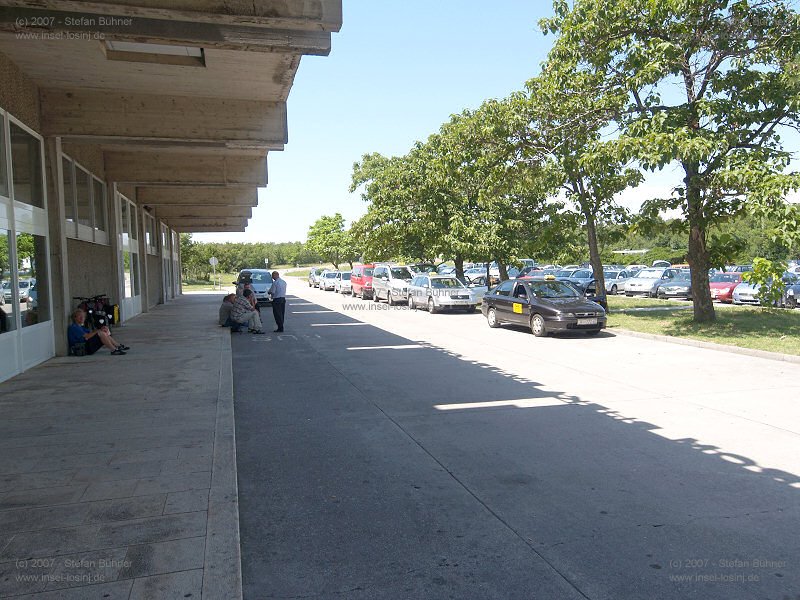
point(624, 303)
point(774, 330)
point(298, 272)
point(207, 286)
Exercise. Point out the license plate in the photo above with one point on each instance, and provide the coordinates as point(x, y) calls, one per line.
point(460, 301)
point(587, 321)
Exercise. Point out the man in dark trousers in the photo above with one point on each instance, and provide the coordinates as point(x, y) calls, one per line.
point(278, 294)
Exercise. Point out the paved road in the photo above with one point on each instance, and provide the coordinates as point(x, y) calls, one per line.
point(396, 454)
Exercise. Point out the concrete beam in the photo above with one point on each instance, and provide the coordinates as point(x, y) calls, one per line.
point(170, 32)
point(147, 169)
point(204, 222)
point(113, 117)
point(196, 196)
point(313, 15)
point(210, 229)
point(195, 211)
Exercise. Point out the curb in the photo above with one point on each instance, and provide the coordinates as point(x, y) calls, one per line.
point(222, 570)
point(791, 358)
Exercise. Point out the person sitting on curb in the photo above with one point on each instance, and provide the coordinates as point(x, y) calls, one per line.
point(225, 309)
point(243, 313)
point(78, 333)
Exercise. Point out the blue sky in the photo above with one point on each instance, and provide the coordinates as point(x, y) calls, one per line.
point(397, 71)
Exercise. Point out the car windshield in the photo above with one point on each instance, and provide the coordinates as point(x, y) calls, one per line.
point(611, 274)
point(553, 289)
point(682, 277)
point(23, 284)
point(346, 276)
point(724, 278)
point(649, 274)
point(261, 277)
point(367, 272)
point(446, 282)
point(401, 273)
point(582, 274)
point(331, 275)
point(564, 273)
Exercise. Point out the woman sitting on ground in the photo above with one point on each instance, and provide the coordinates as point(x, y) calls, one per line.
point(78, 333)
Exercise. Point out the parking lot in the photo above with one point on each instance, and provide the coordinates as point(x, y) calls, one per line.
point(394, 453)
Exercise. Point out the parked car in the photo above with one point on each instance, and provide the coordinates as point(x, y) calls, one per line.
point(313, 277)
point(739, 268)
point(258, 280)
point(446, 270)
point(440, 292)
point(581, 278)
point(746, 293)
point(722, 286)
point(634, 268)
point(328, 280)
point(615, 281)
point(662, 263)
point(792, 293)
point(475, 272)
point(361, 280)
point(342, 283)
point(478, 287)
point(646, 281)
point(390, 283)
point(680, 286)
point(417, 268)
point(544, 306)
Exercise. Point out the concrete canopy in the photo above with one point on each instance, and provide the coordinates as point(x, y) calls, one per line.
point(178, 93)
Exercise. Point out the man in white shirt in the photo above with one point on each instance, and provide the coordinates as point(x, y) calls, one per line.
point(278, 294)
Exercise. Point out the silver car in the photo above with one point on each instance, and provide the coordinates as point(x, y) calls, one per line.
point(615, 281)
point(313, 277)
point(327, 280)
point(440, 292)
point(646, 281)
point(342, 284)
point(390, 283)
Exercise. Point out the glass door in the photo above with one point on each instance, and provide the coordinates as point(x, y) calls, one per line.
point(128, 227)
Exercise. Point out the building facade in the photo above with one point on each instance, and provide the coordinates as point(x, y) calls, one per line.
point(122, 125)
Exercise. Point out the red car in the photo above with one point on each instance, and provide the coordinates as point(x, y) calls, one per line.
point(722, 285)
point(361, 281)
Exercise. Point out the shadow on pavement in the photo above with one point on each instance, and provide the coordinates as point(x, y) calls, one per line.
point(375, 466)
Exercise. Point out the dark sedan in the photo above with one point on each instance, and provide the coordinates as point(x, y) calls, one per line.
point(544, 306)
point(679, 286)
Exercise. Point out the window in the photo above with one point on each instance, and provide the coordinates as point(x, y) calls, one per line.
point(150, 235)
point(32, 259)
point(3, 174)
point(504, 289)
point(85, 203)
point(9, 304)
point(26, 161)
point(520, 292)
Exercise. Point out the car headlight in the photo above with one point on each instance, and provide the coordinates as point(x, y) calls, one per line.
point(790, 292)
point(569, 315)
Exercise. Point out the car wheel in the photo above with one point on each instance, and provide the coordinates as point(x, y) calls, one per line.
point(411, 303)
point(537, 326)
point(629, 295)
point(375, 296)
point(593, 332)
point(491, 318)
point(432, 306)
point(791, 302)
point(389, 300)
point(614, 289)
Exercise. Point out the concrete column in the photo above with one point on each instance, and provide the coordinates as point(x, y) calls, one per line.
point(59, 265)
point(113, 239)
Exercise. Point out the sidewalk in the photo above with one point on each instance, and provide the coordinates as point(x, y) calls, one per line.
point(118, 473)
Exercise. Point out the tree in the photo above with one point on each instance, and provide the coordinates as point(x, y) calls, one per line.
point(709, 85)
point(328, 238)
point(566, 113)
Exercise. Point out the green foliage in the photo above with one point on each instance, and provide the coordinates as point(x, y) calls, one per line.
point(328, 238)
point(767, 275)
point(706, 85)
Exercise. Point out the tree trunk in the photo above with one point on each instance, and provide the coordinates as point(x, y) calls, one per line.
point(459, 267)
point(595, 260)
point(698, 251)
point(503, 270)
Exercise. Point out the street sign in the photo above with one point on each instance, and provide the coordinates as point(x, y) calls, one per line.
point(213, 261)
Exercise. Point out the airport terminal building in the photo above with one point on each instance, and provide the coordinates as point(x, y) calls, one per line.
point(123, 124)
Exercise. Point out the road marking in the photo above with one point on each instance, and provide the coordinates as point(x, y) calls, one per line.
point(522, 403)
point(336, 324)
point(311, 312)
point(404, 347)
